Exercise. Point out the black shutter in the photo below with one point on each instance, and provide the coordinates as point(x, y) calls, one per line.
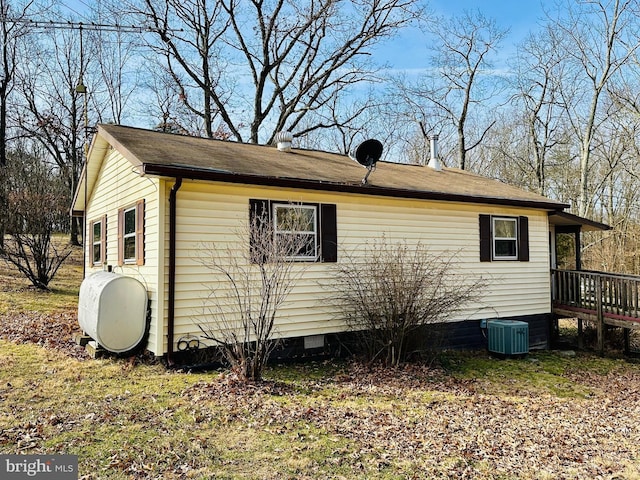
point(258, 208)
point(328, 233)
point(258, 219)
point(485, 238)
point(523, 239)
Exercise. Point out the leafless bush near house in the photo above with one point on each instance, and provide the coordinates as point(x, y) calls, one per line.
point(37, 207)
point(254, 276)
point(389, 291)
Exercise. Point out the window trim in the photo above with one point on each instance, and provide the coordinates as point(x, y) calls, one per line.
point(315, 233)
point(138, 234)
point(129, 235)
point(101, 241)
point(495, 239)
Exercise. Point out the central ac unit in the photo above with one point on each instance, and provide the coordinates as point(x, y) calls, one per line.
point(508, 337)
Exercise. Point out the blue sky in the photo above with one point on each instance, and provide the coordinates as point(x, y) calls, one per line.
point(409, 50)
point(521, 15)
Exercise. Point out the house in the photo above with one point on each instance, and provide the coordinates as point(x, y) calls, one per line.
point(151, 199)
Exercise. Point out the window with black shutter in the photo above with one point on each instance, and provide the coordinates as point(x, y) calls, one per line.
point(314, 225)
point(504, 238)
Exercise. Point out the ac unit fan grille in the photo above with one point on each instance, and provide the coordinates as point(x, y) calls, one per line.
point(508, 337)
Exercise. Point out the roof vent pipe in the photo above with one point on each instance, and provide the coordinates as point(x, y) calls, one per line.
point(283, 141)
point(434, 162)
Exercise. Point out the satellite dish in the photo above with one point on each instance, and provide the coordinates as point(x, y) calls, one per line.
point(368, 153)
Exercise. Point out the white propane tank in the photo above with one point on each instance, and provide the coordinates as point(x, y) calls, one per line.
point(112, 309)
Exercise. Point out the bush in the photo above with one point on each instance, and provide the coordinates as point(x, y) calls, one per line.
point(390, 291)
point(253, 277)
point(37, 206)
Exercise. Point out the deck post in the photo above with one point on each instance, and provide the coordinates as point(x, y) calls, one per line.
point(627, 341)
point(600, 318)
point(580, 334)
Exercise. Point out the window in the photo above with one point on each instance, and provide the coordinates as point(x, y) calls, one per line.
point(297, 226)
point(97, 241)
point(313, 224)
point(131, 234)
point(504, 238)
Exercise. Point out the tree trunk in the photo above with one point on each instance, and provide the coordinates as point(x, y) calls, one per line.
point(585, 157)
point(76, 231)
point(462, 148)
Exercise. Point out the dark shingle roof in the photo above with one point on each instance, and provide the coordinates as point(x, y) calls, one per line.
point(192, 157)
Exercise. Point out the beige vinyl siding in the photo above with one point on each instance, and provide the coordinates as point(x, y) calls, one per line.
point(213, 212)
point(119, 186)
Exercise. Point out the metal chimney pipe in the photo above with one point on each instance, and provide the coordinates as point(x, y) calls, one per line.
point(434, 162)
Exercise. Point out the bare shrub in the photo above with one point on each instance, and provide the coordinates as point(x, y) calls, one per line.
point(37, 206)
point(389, 291)
point(254, 276)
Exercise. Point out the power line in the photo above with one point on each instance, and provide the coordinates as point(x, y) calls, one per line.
point(47, 24)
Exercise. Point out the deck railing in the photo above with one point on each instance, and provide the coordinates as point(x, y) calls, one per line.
point(606, 295)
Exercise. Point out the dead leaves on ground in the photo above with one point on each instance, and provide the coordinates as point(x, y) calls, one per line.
point(413, 422)
point(421, 422)
point(53, 331)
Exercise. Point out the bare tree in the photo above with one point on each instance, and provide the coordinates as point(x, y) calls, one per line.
point(537, 85)
point(353, 120)
point(459, 82)
point(253, 277)
point(599, 39)
point(116, 54)
point(389, 291)
point(615, 182)
point(166, 107)
point(37, 207)
point(264, 66)
point(52, 110)
point(190, 34)
point(12, 29)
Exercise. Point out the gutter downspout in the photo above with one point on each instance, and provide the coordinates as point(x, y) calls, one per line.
point(172, 268)
point(85, 227)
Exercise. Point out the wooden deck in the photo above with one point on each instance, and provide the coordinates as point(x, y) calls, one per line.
point(599, 297)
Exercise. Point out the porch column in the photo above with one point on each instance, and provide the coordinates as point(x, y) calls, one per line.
point(578, 243)
point(575, 231)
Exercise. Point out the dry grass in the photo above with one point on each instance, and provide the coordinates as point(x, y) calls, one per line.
point(17, 295)
point(549, 416)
